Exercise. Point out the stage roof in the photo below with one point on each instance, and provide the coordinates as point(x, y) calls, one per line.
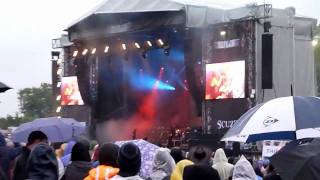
point(119, 16)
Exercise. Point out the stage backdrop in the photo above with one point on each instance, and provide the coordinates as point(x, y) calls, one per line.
point(229, 66)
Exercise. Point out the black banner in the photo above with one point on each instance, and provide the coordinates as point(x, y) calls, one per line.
point(228, 42)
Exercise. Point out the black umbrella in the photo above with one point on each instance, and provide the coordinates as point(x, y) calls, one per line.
point(3, 87)
point(299, 160)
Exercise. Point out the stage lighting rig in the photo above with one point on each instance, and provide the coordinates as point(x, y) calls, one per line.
point(106, 49)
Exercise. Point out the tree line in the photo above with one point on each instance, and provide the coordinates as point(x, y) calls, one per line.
point(35, 102)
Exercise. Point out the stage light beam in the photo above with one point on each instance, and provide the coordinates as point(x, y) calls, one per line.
point(137, 45)
point(84, 52)
point(106, 49)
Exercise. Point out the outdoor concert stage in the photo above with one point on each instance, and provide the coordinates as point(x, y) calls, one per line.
point(146, 70)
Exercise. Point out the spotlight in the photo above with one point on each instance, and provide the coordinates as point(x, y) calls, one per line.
point(167, 81)
point(106, 49)
point(162, 68)
point(75, 53)
point(185, 81)
point(137, 45)
point(160, 42)
point(59, 84)
point(93, 51)
point(59, 61)
point(58, 109)
point(84, 52)
point(124, 47)
point(199, 62)
point(58, 98)
point(223, 33)
point(149, 43)
point(314, 42)
point(59, 71)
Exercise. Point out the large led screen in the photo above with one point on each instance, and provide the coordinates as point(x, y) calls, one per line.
point(225, 80)
point(70, 94)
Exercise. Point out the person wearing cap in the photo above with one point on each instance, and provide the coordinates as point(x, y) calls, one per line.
point(19, 170)
point(129, 160)
point(200, 171)
point(220, 163)
point(108, 166)
point(200, 155)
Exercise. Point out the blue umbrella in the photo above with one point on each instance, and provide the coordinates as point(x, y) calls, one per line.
point(57, 129)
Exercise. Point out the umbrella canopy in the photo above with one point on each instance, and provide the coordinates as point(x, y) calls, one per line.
point(148, 151)
point(4, 87)
point(298, 160)
point(57, 129)
point(286, 118)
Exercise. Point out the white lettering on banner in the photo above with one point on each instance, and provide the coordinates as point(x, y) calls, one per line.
point(227, 44)
point(271, 147)
point(225, 124)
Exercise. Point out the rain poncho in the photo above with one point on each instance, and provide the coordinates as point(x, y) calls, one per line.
point(220, 163)
point(42, 163)
point(163, 164)
point(177, 173)
point(102, 172)
point(243, 170)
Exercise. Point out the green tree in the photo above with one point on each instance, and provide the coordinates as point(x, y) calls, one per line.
point(36, 102)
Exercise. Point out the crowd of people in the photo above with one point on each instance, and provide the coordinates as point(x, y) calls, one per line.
point(37, 160)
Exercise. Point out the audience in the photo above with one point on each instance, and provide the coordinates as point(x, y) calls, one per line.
point(108, 165)
point(19, 170)
point(80, 163)
point(129, 160)
point(42, 163)
point(163, 165)
point(243, 170)
point(197, 172)
point(177, 173)
point(220, 163)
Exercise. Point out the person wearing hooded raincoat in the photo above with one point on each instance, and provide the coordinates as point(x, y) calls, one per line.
point(42, 163)
point(220, 163)
point(163, 164)
point(243, 170)
point(108, 168)
point(177, 173)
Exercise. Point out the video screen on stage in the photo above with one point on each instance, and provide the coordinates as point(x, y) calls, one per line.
point(225, 80)
point(70, 94)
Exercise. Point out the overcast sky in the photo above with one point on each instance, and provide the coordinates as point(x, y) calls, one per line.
point(27, 27)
